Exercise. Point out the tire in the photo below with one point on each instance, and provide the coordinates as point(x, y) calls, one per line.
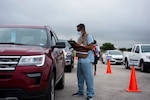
point(69, 68)
point(142, 67)
point(72, 64)
point(61, 83)
point(126, 65)
point(51, 89)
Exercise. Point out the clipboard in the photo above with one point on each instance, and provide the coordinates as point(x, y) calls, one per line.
point(72, 43)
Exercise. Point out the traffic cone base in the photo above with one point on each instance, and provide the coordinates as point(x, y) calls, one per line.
point(133, 85)
point(108, 72)
point(133, 90)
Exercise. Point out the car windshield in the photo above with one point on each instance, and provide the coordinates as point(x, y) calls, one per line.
point(24, 36)
point(66, 43)
point(145, 48)
point(115, 52)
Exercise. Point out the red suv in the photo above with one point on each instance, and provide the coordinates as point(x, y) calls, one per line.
point(31, 63)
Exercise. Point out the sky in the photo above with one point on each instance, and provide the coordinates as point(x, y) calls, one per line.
point(120, 22)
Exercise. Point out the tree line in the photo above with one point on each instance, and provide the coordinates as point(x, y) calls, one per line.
point(110, 46)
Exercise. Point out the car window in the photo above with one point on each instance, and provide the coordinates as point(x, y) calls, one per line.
point(145, 48)
point(26, 36)
point(133, 49)
point(66, 43)
point(137, 49)
point(53, 39)
point(106, 52)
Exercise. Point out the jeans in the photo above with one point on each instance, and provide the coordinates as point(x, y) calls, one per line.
point(85, 73)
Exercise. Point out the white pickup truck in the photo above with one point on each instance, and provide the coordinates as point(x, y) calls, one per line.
point(139, 56)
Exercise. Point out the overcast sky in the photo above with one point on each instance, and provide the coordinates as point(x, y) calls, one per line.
point(121, 22)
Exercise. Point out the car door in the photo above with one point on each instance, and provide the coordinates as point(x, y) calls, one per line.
point(136, 55)
point(58, 56)
point(131, 56)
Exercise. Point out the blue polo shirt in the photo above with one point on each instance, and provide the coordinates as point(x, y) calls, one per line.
point(90, 57)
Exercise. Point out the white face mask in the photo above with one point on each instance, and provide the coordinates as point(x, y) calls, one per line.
point(79, 33)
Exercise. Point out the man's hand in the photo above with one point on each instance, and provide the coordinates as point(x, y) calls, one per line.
point(84, 48)
point(77, 45)
point(89, 47)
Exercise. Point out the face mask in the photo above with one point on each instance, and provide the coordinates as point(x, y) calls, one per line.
point(79, 33)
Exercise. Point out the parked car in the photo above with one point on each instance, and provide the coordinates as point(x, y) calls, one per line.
point(138, 57)
point(115, 57)
point(69, 56)
point(31, 63)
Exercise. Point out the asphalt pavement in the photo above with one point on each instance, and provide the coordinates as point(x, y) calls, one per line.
point(109, 86)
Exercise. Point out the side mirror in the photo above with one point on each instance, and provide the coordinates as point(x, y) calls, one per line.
point(59, 45)
point(136, 51)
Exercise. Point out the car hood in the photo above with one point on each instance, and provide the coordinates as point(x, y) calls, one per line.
point(146, 54)
point(21, 50)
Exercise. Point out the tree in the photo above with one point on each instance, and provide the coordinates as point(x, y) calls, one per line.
point(107, 46)
point(123, 49)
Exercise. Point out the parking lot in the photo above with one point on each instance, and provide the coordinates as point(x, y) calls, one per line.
point(108, 86)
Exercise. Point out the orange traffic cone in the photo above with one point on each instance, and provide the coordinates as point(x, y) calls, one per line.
point(133, 85)
point(108, 71)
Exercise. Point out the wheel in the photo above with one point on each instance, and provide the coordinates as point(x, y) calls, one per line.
point(72, 63)
point(69, 68)
point(61, 83)
point(51, 89)
point(143, 67)
point(126, 64)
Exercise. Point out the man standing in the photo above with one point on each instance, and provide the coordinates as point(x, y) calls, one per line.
point(85, 63)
